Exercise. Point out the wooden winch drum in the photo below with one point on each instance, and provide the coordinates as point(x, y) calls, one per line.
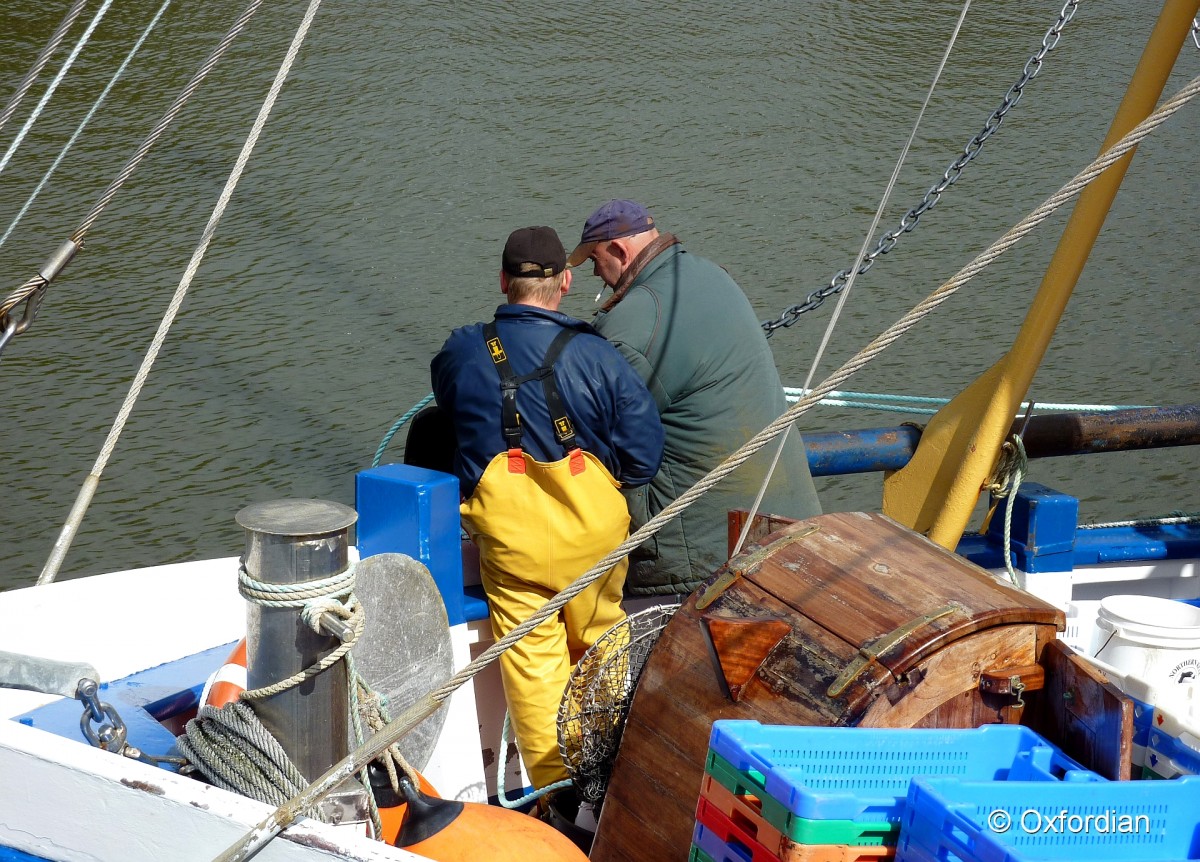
point(846, 619)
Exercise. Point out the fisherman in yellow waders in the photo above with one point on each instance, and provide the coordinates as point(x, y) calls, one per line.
point(550, 421)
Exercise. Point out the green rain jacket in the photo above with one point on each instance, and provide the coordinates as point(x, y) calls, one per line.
point(692, 335)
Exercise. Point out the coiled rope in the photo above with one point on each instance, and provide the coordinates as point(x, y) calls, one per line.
point(83, 124)
point(230, 746)
point(93, 479)
point(62, 73)
point(424, 707)
point(1010, 472)
point(41, 60)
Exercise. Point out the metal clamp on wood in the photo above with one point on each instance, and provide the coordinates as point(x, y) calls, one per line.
point(710, 592)
point(1014, 680)
point(869, 655)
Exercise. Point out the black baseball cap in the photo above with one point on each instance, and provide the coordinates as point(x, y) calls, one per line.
point(534, 252)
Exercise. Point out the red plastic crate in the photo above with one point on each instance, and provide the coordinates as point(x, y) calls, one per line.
point(743, 811)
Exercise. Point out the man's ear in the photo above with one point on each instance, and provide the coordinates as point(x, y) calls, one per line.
point(566, 283)
point(504, 282)
point(620, 249)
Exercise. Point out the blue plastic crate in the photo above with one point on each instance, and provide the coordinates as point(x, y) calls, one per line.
point(1168, 756)
point(856, 773)
point(1128, 821)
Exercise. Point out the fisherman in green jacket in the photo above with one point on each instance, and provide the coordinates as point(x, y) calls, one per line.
point(692, 335)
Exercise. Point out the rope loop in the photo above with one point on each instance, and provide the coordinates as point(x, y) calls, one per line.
point(314, 609)
point(294, 595)
point(1012, 465)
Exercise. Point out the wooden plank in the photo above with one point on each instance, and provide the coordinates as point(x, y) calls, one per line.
point(1085, 714)
point(875, 584)
point(762, 526)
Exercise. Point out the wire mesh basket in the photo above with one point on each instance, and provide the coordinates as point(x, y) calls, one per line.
point(597, 698)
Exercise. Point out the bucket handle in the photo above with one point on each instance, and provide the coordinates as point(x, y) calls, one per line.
point(1117, 631)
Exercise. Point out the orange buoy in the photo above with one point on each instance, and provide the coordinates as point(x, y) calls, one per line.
point(392, 807)
point(228, 683)
point(450, 831)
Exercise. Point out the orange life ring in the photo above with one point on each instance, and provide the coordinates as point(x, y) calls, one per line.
point(228, 683)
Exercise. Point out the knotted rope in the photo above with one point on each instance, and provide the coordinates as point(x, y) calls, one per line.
point(1010, 472)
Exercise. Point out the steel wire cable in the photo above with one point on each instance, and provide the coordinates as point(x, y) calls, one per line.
point(84, 122)
point(31, 291)
point(83, 500)
point(58, 79)
point(40, 61)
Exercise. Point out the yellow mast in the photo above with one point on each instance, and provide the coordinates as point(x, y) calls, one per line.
point(936, 492)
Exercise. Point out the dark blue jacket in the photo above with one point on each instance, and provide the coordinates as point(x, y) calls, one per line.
point(614, 414)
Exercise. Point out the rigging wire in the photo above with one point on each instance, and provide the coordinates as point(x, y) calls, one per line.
point(93, 479)
point(910, 220)
point(253, 841)
point(34, 289)
point(58, 79)
point(862, 253)
point(40, 61)
point(83, 124)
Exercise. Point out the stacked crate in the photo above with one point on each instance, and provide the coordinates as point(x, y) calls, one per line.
point(1123, 821)
point(1173, 746)
point(837, 794)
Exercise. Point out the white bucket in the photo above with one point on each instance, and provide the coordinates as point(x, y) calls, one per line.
point(1155, 640)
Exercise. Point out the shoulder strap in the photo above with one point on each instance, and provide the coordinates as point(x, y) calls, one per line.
point(564, 430)
point(509, 418)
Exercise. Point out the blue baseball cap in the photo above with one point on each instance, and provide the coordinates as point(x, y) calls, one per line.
point(612, 220)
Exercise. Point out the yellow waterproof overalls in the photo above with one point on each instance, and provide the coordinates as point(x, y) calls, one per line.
point(539, 527)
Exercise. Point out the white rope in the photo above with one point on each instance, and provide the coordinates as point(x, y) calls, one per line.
point(862, 253)
point(314, 599)
point(62, 73)
point(89, 487)
point(1010, 472)
point(929, 405)
point(83, 124)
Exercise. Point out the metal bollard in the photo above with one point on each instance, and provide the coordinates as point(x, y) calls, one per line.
point(292, 542)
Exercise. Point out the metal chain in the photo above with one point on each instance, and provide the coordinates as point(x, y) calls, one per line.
point(110, 732)
point(888, 241)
